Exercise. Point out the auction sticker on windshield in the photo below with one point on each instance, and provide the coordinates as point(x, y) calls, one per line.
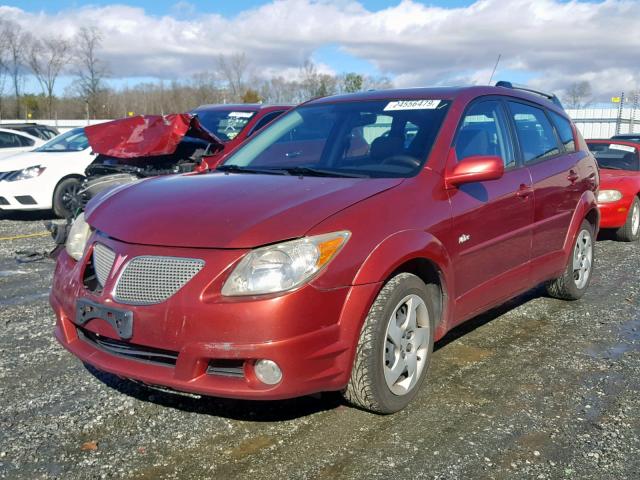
point(241, 114)
point(624, 148)
point(412, 105)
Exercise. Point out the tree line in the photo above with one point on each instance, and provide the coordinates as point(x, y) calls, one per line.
point(232, 79)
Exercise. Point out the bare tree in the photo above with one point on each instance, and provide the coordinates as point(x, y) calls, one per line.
point(91, 70)
point(235, 70)
point(578, 95)
point(315, 84)
point(47, 58)
point(16, 44)
point(3, 64)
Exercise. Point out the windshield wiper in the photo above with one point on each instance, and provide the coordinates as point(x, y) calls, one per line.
point(318, 172)
point(240, 169)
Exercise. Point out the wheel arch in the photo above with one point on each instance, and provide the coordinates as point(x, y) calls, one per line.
point(55, 188)
point(416, 252)
point(586, 209)
point(70, 175)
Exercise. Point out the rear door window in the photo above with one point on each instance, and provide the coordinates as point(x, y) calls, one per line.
point(9, 140)
point(484, 131)
point(535, 134)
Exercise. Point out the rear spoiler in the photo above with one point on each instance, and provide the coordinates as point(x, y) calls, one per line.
point(146, 135)
point(549, 96)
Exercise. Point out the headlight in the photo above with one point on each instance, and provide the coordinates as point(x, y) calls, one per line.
point(26, 173)
point(283, 266)
point(77, 238)
point(608, 196)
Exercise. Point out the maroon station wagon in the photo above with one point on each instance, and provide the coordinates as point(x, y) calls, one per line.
point(332, 249)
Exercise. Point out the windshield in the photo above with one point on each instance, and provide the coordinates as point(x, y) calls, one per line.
point(615, 156)
point(383, 138)
point(72, 141)
point(224, 124)
point(627, 137)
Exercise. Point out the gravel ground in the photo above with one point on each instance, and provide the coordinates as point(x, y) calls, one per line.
point(538, 388)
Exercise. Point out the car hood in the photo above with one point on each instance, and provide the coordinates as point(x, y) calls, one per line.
point(146, 135)
point(31, 159)
point(610, 177)
point(220, 210)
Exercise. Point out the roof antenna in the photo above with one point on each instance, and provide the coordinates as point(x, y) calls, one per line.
point(494, 68)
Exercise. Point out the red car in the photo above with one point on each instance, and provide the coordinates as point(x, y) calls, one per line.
point(233, 124)
point(619, 187)
point(307, 263)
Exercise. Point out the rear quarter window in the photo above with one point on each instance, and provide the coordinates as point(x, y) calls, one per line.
point(563, 127)
point(26, 142)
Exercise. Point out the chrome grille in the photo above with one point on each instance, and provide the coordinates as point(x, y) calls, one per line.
point(147, 279)
point(103, 258)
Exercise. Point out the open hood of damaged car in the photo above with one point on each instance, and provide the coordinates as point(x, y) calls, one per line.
point(146, 135)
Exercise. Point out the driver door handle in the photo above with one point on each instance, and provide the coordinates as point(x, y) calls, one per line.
point(524, 191)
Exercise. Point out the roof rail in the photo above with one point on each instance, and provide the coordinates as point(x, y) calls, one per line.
point(548, 96)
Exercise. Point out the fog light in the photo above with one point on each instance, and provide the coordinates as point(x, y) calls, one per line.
point(268, 372)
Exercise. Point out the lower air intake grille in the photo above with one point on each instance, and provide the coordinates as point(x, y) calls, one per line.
point(147, 280)
point(130, 350)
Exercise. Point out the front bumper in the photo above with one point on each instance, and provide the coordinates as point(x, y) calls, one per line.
point(310, 333)
point(32, 194)
point(614, 214)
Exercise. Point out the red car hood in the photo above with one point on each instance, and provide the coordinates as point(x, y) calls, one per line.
point(610, 177)
point(225, 211)
point(145, 135)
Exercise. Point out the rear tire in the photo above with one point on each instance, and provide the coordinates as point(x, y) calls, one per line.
point(630, 231)
point(395, 346)
point(66, 200)
point(577, 275)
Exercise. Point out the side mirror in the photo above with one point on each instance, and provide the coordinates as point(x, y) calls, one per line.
point(478, 168)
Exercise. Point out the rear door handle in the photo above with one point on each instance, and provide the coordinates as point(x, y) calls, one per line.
point(524, 191)
point(573, 176)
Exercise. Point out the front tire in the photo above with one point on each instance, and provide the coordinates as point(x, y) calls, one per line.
point(630, 231)
point(395, 346)
point(66, 197)
point(577, 276)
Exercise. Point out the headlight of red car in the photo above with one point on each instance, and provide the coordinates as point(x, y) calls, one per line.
point(609, 196)
point(283, 266)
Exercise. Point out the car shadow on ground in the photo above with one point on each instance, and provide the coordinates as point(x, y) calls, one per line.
point(488, 316)
point(28, 216)
point(246, 410)
point(278, 410)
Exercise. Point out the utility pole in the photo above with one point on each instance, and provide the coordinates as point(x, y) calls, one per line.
point(619, 119)
point(634, 109)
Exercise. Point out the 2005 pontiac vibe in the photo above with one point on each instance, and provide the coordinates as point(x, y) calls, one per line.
point(328, 252)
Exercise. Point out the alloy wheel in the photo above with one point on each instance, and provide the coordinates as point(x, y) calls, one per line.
point(406, 344)
point(582, 259)
point(635, 219)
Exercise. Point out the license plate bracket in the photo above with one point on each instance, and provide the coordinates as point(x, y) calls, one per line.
point(120, 320)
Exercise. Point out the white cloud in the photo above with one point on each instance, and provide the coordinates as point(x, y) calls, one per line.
point(559, 42)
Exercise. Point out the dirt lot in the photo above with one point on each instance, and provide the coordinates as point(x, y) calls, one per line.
point(536, 389)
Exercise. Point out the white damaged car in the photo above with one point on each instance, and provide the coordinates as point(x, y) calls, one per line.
point(48, 177)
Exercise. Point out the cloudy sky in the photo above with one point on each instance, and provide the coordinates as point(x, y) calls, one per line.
point(546, 43)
